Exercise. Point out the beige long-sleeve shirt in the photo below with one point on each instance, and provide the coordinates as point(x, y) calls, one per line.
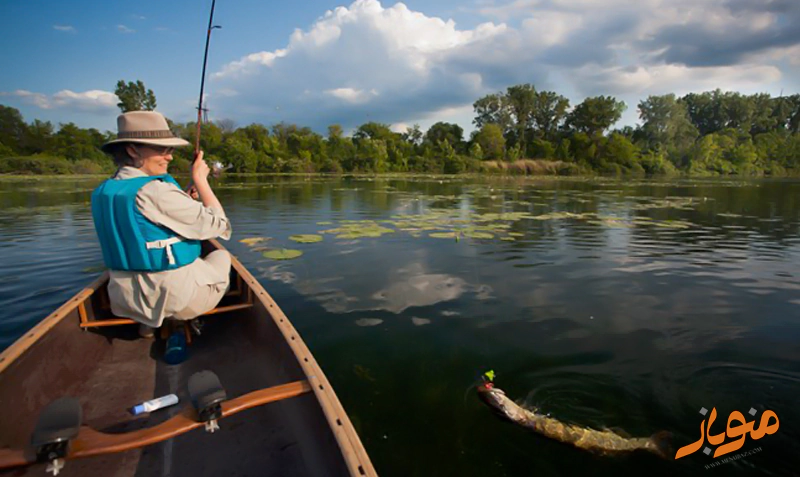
point(149, 297)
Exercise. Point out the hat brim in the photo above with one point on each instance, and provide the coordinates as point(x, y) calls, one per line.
point(165, 142)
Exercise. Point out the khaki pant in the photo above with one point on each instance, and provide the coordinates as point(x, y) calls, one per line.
point(206, 297)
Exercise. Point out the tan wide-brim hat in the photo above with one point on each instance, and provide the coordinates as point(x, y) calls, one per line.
point(145, 127)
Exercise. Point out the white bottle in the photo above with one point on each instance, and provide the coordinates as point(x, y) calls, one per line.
point(155, 404)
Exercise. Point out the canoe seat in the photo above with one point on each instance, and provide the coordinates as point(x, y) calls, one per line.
point(90, 319)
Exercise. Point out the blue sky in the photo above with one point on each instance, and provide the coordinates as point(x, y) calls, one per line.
point(319, 62)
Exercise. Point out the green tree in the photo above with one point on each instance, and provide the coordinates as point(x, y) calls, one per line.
point(618, 149)
point(493, 109)
point(373, 130)
point(74, 144)
point(541, 149)
point(475, 151)
point(562, 151)
point(787, 110)
point(413, 135)
point(739, 109)
point(335, 132)
point(550, 110)
point(666, 122)
point(210, 139)
point(491, 140)
point(453, 164)
point(12, 128)
point(259, 138)
point(707, 157)
point(583, 148)
point(371, 155)
point(521, 100)
point(441, 131)
point(134, 97)
point(37, 138)
point(594, 115)
point(237, 151)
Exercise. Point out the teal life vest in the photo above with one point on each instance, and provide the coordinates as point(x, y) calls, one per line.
point(128, 239)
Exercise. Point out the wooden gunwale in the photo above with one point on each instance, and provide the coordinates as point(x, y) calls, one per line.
point(26, 341)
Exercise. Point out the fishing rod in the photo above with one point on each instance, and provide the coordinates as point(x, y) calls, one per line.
point(203, 78)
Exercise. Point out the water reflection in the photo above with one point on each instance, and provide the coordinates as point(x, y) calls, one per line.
point(608, 303)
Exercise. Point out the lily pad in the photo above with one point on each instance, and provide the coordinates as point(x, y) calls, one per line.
point(282, 254)
point(478, 235)
point(252, 240)
point(306, 238)
point(444, 235)
point(353, 230)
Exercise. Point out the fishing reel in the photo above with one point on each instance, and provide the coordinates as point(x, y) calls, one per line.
point(57, 425)
point(207, 395)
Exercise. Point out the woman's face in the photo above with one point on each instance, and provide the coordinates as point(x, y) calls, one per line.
point(155, 159)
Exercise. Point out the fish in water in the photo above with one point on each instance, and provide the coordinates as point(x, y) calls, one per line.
point(599, 442)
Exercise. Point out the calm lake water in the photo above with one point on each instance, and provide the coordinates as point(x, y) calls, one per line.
point(623, 304)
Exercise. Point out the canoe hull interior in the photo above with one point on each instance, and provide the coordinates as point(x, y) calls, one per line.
point(110, 369)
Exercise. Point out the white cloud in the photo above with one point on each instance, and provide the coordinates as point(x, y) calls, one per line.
point(124, 29)
point(394, 65)
point(65, 28)
point(399, 127)
point(353, 96)
point(249, 64)
point(89, 101)
point(679, 79)
point(357, 61)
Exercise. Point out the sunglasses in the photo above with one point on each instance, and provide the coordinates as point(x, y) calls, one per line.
point(161, 150)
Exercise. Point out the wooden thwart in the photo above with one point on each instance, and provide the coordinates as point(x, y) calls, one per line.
point(87, 323)
point(90, 442)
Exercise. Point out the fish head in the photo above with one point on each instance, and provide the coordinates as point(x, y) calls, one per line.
point(496, 399)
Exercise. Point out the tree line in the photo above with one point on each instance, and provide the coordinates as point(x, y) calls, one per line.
point(520, 130)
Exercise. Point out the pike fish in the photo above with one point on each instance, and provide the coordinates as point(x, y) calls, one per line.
point(604, 442)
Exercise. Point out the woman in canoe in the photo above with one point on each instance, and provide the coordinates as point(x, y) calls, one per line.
point(150, 230)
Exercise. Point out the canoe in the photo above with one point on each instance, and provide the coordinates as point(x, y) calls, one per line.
point(280, 415)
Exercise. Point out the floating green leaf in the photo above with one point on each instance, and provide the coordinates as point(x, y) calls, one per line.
point(282, 254)
point(358, 229)
point(478, 235)
point(444, 235)
point(252, 240)
point(306, 238)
